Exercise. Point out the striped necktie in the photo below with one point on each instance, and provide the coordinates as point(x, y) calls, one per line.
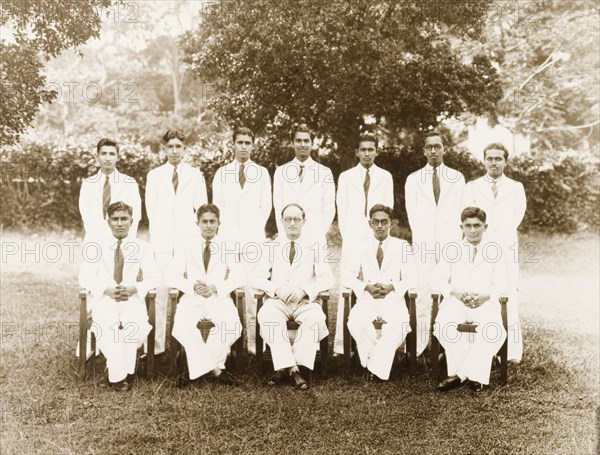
point(366, 186)
point(105, 196)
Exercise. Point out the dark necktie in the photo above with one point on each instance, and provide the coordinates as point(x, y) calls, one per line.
point(495, 190)
point(292, 252)
point(474, 254)
point(242, 175)
point(436, 185)
point(380, 254)
point(301, 174)
point(175, 180)
point(206, 255)
point(366, 186)
point(119, 263)
point(105, 197)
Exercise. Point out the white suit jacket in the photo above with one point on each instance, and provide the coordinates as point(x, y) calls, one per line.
point(309, 271)
point(352, 221)
point(187, 267)
point(172, 216)
point(97, 270)
point(397, 267)
point(122, 188)
point(431, 223)
point(315, 194)
point(244, 212)
point(505, 212)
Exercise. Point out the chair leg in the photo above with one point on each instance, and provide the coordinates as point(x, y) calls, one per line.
point(151, 301)
point(259, 340)
point(83, 328)
point(238, 348)
point(504, 348)
point(412, 336)
point(435, 344)
point(346, 337)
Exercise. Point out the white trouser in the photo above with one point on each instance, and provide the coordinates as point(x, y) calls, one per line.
point(119, 346)
point(204, 357)
point(162, 297)
point(377, 355)
point(469, 355)
point(515, 336)
point(249, 302)
point(425, 270)
point(273, 317)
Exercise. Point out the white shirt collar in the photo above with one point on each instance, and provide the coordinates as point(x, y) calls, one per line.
point(307, 163)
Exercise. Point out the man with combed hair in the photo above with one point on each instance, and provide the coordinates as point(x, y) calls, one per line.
point(433, 202)
point(206, 271)
point(359, 189)
point(307, 183)
point(117, 298)
point(380, 272)
point(106, 186)
point(242, 191)
point(292, 273)
point(503, 199)
point(174, 191)
point(471, 282)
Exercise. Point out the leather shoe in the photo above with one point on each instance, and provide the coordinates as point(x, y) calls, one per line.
point(277, 377)
point(476, 387)
point(298, 380)
point(451, 382)
point(121, 386)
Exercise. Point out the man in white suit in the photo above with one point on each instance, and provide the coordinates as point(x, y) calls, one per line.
point(307, 183)
point(106, 186)
point(242, 191)
point(117, 298)
point(433, 202)
point(471, 282)
point(174, 191)
point(206, 271)
point(380, 271)
point(359, 189)
point(504, 202)
point(292, 272)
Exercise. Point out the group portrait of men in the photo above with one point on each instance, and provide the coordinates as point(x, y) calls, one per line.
point(464, 246)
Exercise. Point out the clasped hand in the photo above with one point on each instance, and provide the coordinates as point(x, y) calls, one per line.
point(378, 290)
point(290, 295)
point(204, 290)
point(120, 293)
point(472, 299)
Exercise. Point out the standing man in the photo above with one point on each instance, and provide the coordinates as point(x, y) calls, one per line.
point(380, 272)
point(117, 300)
point(242, 191)
point(359, 189)
point(106, 186)
point(174, 191)
point(292, 273)
point(307, 183)
point(503, 199)
point(206, 271)
point(433, 202)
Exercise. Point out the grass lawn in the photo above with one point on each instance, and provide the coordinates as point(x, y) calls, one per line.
point(550, 405)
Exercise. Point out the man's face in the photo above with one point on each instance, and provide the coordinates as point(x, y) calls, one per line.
point(302, 146)
point(381, 224)
point(366, 153)
point(209, 225)
point(119, 223)
point(433, 149)
point(107, 157)
point(473, 228)
point(293, 221)
point(242, 147)
point(174, 151)
point(494, 163)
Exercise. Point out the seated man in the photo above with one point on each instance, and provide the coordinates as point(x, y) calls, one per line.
point(379, 272)
point(471, 282)
point(119, 316)
point(206, 272)
point(292, 272)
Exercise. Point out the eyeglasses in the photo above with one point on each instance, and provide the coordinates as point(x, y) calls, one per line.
point(380, 222)
point(436, 147)
point(288, 220)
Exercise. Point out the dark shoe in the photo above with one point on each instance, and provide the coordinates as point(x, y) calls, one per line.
point(226, 378)
point(476, 387)
point(121, 386)
point(451, 382)
point(298, 381)
point(278, 377)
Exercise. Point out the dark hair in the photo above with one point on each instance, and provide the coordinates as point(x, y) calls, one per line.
point(496, 146)
point(105, 141)
point(301, 128)
point(208, 208)
point(433, 133)
point(473, 212)
point(173, 134)
point(119, 205)
point(380, 208)
point(368, 137)
point(243, 130)
point(293, 204)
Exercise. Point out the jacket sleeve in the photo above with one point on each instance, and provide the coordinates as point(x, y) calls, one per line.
point(89, 277)
point(278, 196)
point(175, 274)
point(86, 206)
point(328, 200)
point(218, 193)
point(261, 275)
point(323, 278)
point(408, 271)
point(200, 196)
point(235, 278)
point(410, 197)
point(342, 203)
point(389, 190)
point(136, 204)
point(351, 272)
point(520, 204)
point(266, 199)
point(152, 278)
point(151, 196)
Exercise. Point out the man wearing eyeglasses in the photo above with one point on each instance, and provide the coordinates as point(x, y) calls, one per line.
point(503, 199)
point(292, 272)
point(433, 203)
point(380, 272)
